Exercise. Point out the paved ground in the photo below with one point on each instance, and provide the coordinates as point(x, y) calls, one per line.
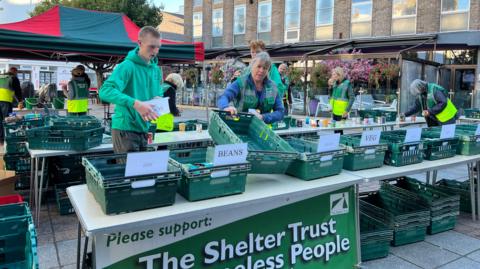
point(457, 249)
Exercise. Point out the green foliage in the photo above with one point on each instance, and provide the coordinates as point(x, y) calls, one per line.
point(141, 12)
point(295, 75)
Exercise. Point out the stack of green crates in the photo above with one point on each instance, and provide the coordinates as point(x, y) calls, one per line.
point(361, 157)
point(469, 142)
point(473, 113)
point(458, 188)
point(67, 133)
point(375, 233)
point(400, 153)
point(444, 207)
point(435, 148)
point(191, 125)
point(373, 113)
point(63, 202)
point(203, 180)
point(267, 152)
point(408, 219)
point(16, 154)
point(18, 243)
point(311, 164)
point(116, 193)
point(283, 124)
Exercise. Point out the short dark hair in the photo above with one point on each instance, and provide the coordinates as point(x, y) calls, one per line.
point(148, 30)
point(13, 69)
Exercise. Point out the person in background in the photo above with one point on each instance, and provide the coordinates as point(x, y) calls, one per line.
point(287, 97)
point(257, 46)
point(46, 94)
point(235, 75)
point(136, 80)
point(172, 83)
point(9, 90)
point(432, 100)
point(342, 97)
point(28, 90)
point(254, 91)
point(77, 92)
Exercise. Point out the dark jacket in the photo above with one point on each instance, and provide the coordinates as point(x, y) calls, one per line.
point(421, 103)
point(172, 102)
point(289, 91)
point(15, 86)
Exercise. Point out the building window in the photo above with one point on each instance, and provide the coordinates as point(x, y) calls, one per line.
point(455, 15)
point(217, 28)
point(239, 25)
point(217, 1)
point(197, 3)
point(47, 77)
point(404, 17)
point(197, 25)
point(324, 20)
point(292, 20)
point(361, 18)
point(264, 21)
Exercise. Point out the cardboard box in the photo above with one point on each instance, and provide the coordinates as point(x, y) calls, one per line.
point(7, 182)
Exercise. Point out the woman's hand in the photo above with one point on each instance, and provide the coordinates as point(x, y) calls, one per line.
point(231, 109)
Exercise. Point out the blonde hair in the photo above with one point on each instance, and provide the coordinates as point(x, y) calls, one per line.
point(339, 71)
point(176, 79)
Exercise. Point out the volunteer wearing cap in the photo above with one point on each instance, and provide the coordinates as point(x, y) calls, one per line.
point(77, 92)
point(433, 101)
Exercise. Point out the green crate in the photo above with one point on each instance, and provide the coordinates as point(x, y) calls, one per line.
point(57, 138)
point(375, 237)
point(189, 145)
point(14, 219)
point(191, 125)
point(361, 157)
point(83, 122)
point(202, 180)
point(283, 124)
point(459, 188)
point(436, 148)
point(367, 113)
point(16, 148)
point(409, 220)
point(469, 142)
point(400, 153)
point(24, 255)
point(63, 202)
point(59, 103)
point(18, 129)
point(188, 155)
point(114, 192)
point(311, 164)
point(443, 207)
point(473, 113)
point(268, 153)
point(18, 162)
point(389, 115)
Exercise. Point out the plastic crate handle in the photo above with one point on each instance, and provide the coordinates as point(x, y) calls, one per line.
point(143, 183)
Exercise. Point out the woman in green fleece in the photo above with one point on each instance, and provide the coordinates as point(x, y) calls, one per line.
point(135, 80)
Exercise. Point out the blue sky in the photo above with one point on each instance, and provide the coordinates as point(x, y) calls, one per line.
point(170, 5)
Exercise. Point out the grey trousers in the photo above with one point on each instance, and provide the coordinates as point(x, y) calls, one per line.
point(127, 141)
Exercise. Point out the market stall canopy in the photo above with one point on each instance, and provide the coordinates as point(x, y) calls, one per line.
point(79, 35)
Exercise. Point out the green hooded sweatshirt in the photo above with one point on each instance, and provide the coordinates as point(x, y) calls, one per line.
point(132, 80)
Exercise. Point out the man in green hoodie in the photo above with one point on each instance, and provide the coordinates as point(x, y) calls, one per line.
point(137, 79)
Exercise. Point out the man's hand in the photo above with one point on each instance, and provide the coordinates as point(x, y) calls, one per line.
point(231, 109)
point(345, 115)
point(145, 110)
point(20, 105)
point(425, 113)
point(260, 116)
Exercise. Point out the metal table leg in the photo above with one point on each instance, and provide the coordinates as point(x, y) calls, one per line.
point(79, 244)
point(472, 190)
point(32, 185)
point(84, 256)
point(40, 187)
point(478, 189)
point(36, 192)
point(357, 223)
point(434, 178)
point(427, 179)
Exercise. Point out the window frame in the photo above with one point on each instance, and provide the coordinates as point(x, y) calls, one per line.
point(196, 5)
point(455, 12)
point(214, 23)
point(286, 30)
point(201, 24)
point(264, 3)
point(370, 2)
point(405, 17)
point(322, 25)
